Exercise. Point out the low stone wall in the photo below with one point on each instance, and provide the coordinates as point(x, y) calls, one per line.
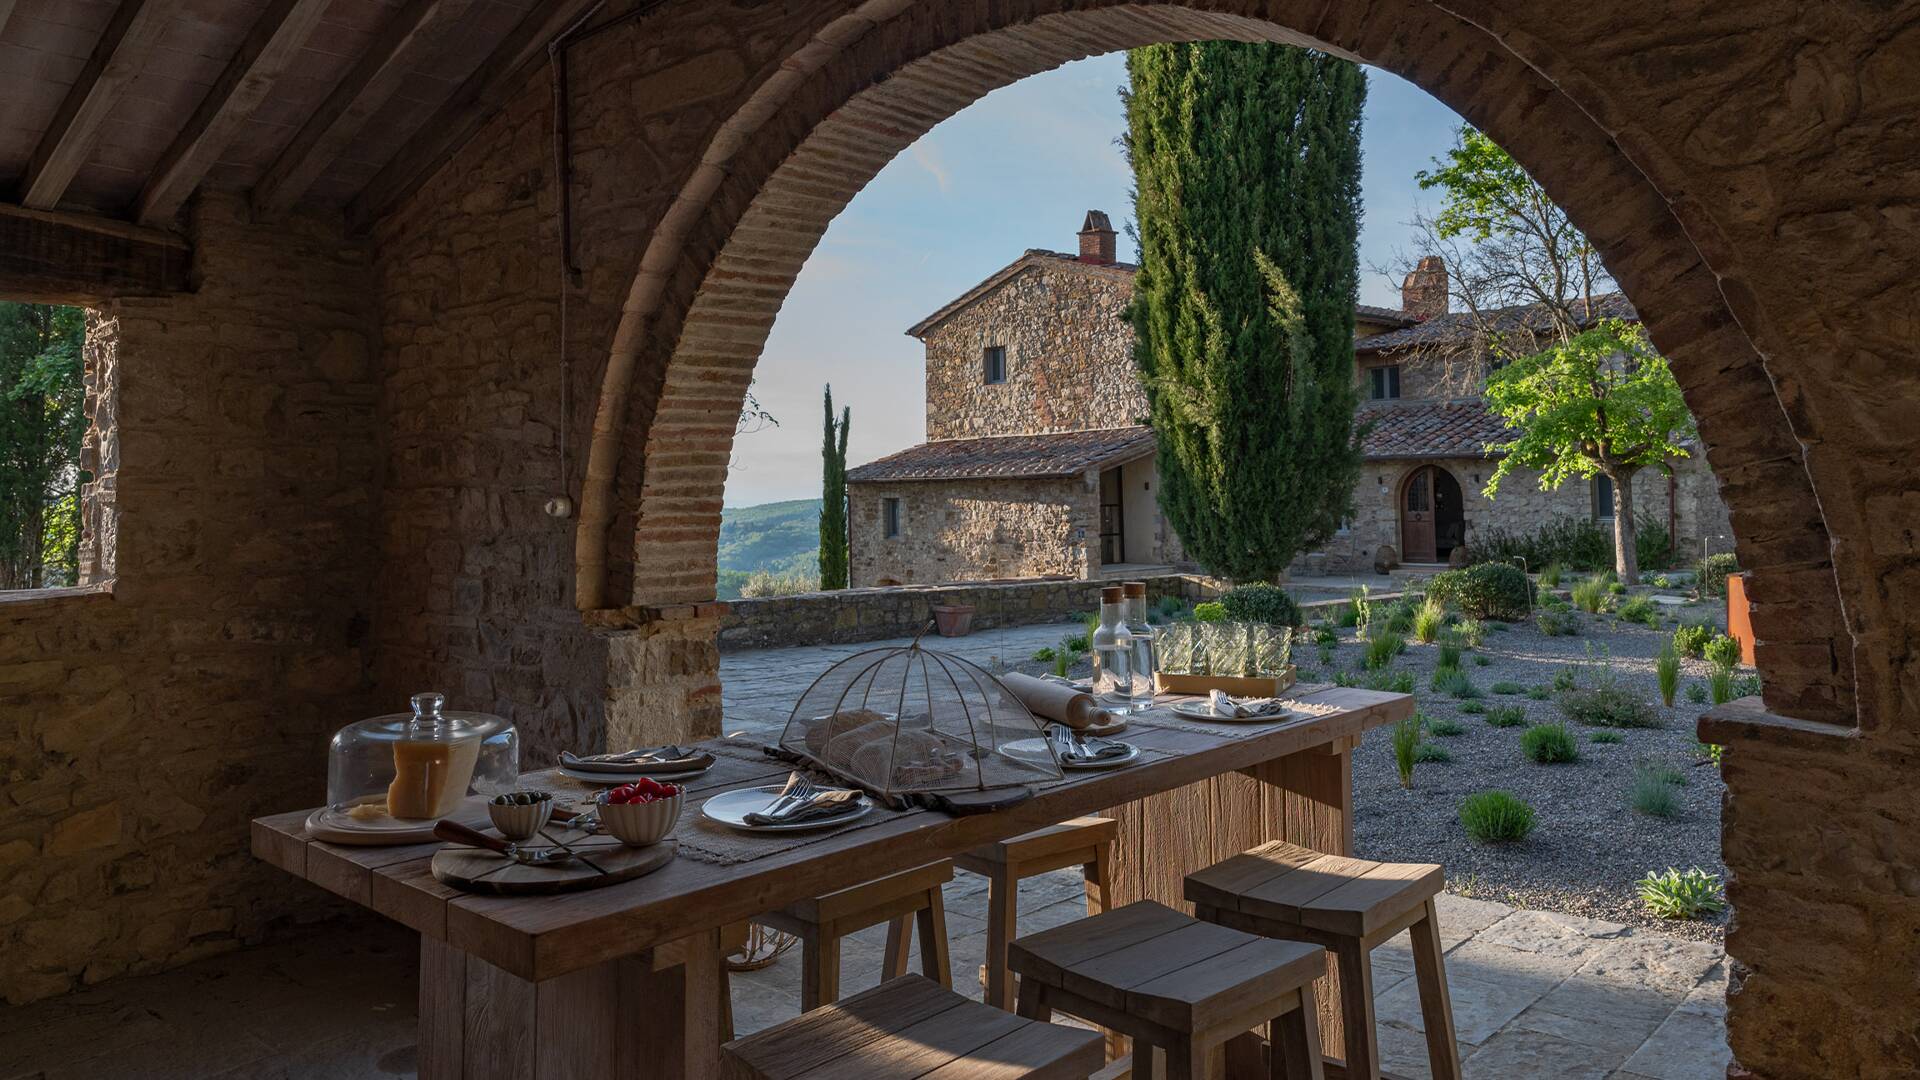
point(900, 611)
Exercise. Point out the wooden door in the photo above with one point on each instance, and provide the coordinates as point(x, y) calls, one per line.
point(1416, 517)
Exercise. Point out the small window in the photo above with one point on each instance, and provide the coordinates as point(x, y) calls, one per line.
point(1385, 382)
point(1602, 498)
point(993, 364)
point(889, 518)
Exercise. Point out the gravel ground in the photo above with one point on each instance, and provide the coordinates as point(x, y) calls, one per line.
point(1588, 847)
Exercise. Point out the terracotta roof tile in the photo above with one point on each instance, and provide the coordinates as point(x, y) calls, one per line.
point(1008, 457)
point(1417, 429)
point(1457, 327)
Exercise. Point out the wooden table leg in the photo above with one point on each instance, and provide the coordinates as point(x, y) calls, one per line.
point(649, 1014)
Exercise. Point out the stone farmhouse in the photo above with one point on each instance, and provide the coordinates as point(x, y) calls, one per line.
point(1037, 461)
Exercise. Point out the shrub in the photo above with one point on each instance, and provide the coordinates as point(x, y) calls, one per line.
point(1324, 635)
point(1480, 661)
point(1664, 771)
point(1652, 544)
point(1454, 683)
point(1495, 817)
point(1607, 706)
point(1428, 618)
point(1614, 588)
point(1382, 648)
point(1505, 686)
point(1210, 611)
point(1484, 591)
point(1360, 601)
point(1345, 678)
point(1676, 895)
point(1697, 693)
point(791, 583)
point(1261, 603)
point(1550, 575)
point(1549, 744)
point(1667, 668)
point(1446, 728)
point(1650, 795)
point(1471, 631)
point(1565, 679)
point(1709, 752)
point(1326, 655)
point(1392, 682)
point(1472, 707)
point(1723, 651)
point(1605, 736)
point(1590, 595)
point(1691, 639)
point(1450, 651)
point(1043, 654)
point(1746, 686)
point(1710, 574)
point(1431, 752)
point(1576, 542)
point(1076, 643)
point(1640, 610)
point(1400, 617)
point(1406, 747)
point(1557, 623)
point(1505, 715)
point(1540, 693)
point(1169, 608)
point(1720, 685)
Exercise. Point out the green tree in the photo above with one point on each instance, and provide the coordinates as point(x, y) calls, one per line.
point(1603, 402)
point(833, 498)
point(1246, 161)
point(42, 418)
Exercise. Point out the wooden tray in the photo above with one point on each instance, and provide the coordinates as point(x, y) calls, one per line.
point(482, 871)
point(1234, 685)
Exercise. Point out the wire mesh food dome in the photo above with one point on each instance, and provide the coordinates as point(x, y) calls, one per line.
point(905, 721)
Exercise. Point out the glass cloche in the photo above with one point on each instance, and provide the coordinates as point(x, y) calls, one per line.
point(418, 766)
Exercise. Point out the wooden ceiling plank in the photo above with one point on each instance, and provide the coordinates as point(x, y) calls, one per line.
point(373, 80)
point(484, 93)
point(121, 52)
point(250, 76)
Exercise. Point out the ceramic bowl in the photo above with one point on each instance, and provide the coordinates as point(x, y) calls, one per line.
point(520, 821)
point(640, 824)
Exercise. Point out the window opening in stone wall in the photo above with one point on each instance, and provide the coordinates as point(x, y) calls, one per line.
point(55, 431)
point(1602, 498)
point(994, 363)
point(1386, 382)
point(890, 518)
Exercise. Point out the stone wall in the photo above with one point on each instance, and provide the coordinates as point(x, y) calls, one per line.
point(1521, 507)
point(1069, 355)
point(974, 530)
point(874, 614)
point(143, 724)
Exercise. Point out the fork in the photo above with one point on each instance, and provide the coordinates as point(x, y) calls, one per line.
point(799, 791)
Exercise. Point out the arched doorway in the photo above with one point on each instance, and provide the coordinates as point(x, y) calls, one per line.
point(1432, 515)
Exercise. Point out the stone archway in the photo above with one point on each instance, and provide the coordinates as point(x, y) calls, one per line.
point(1742, 189)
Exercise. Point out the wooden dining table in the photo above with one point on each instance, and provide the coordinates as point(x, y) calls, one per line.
point(624, 981)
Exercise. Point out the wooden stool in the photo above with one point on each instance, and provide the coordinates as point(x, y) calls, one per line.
point(822, 921)
point(1285, 891)
point(909, 1027)
point(1085, 842)
point(1182, 986)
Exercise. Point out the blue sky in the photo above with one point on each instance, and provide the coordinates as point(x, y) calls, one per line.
point(1018, 169)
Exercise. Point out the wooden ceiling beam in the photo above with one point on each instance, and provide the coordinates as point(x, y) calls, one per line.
point(121, 52)
point(50, 257)
point(456, 122)
point(250, 76)
point(371, 83)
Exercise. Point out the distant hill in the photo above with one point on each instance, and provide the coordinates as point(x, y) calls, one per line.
point(778, 537)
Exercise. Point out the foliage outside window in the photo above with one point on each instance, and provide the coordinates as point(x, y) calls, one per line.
point(42, 420)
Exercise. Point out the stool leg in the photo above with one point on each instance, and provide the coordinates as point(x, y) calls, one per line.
point(1436, 1005)
point(933, 939)
point(1099, 874)
point(1296, 1042)
point(899, 947)
point(819, 971)
point(1003, 901)
point(1356, 1008)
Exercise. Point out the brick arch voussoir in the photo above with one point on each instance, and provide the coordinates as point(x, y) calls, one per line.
point(713, 280)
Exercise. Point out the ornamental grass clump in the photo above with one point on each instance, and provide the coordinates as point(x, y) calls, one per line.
point(1428, 619)
point(1606, 737)
point(1472, 632)
point(1382, 648)
point(1451, 649)
point(1454, 683)
point(1406, 748)
point(1495, 817)
point(1667, 667)
point(1720, 685)
point(1432, 753)
point(1557, 623)
point(1539, 693)
point(1640, 610)
point(1505, 715)
point(1445, 728)
point(1549, 744)
point(1591, 595)
point(1474, 708)
point(1677, 895)
point(1507, 686)
point(1550, 575)
point(1651, 794)
point(1697, 693)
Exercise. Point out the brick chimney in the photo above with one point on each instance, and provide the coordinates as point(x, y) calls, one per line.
point(1097, 239)
point(1424, 293)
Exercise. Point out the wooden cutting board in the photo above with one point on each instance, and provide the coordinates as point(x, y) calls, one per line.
point(482, 871)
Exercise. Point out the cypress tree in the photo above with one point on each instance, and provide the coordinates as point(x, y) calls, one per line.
point(833, 498)
point(1246, 161)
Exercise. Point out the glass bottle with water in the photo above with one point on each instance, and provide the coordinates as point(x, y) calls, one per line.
point(1143, 633)
point(1113, 653)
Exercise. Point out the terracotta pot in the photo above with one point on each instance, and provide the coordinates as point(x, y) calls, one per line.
point(953, 620)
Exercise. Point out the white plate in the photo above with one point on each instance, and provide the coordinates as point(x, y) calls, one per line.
point(1036, 750)
point(730, 808)
point(616, 779)
point(1205, 712)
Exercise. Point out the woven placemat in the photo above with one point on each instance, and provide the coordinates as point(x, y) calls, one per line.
point(712, 842)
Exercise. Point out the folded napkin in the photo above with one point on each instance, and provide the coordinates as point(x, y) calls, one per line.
point(1243, 708)
point(646, 760)
point(788, 810)
point(1071, 747)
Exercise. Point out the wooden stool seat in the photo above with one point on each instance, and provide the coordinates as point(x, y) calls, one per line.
point(1349, 906)
point(1185, 987)
point(1086, 842)
point(900, 900)
point(911, 1028)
